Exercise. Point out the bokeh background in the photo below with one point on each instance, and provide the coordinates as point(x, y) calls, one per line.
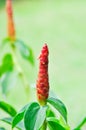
point(62, 25)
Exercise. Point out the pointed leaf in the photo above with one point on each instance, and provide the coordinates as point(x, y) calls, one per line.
point(31, 115)
point(17, 119)
point(41, 115)
point(56, 103)
point(54, 124)
point(19, 116)
point(7, 108)
point(25, 51)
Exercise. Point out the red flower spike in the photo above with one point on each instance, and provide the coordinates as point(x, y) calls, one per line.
point(11, 30)
point(42, 85)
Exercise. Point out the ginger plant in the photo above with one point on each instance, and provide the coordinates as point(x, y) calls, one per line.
point(40, 115)
point(49, 113)
point(10, 62)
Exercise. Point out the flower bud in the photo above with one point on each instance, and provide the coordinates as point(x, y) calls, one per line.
point(42, 85)
point(11, 29)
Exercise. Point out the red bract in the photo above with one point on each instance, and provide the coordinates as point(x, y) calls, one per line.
point(42, 85)
point(11, 29)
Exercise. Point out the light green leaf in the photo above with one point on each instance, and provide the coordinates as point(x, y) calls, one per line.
point(25, 51)
point(7, 108)
point(31, 116)
point(19, 116)
point(56, 103)
point(7, 64)
point(54, 124)
point(41, 115)
point(8, 81)
point(8, 120)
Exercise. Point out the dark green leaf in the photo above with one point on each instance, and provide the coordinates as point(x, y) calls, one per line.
point(7, 108)
point(8, 81)
point(41, 115)
point(25, 51)
point(7, 64)
point(8, 120)
point(56, 103)
point(31, 116)
point(19, 116)
point(17, 119)
point(54, 124)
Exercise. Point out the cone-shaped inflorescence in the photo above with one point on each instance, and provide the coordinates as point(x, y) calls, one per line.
point(11, 29)
point(42, 85)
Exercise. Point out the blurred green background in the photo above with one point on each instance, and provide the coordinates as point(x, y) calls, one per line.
point(62, 25)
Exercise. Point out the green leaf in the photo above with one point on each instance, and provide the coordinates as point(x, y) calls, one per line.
point(8, 81)
point(19, 116)
point(8, 120)
point(7, 108)
point(17, 119)
point(7, 64)
point(54, 124)
point(25, 51)
point(41, 115)
point(56, 103)
point(50, 113)
point(31, 116)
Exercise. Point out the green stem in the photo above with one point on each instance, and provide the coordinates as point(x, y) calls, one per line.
point(44, 126)
point(25, 83)
point(82, 123)
point(20, 71)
